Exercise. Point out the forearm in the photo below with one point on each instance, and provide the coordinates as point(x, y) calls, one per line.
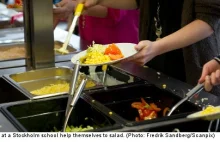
point(191, 33)
point(119, 4)
point(97, 11)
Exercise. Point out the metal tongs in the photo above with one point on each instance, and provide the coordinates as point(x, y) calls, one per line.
point(73, 95)
point(189, 95)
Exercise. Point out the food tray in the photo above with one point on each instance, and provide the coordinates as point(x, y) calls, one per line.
point(118, 100)
point(12, 51)
point(15, 49)
point(36, 79)
point(44, 115)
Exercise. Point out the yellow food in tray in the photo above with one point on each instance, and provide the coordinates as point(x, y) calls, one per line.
point(210, 109)
point(59, 88)
point(52, 89)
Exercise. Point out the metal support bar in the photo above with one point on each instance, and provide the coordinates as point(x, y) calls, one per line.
point(39, 39)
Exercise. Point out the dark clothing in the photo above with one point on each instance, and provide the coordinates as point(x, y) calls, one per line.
point(183, 64)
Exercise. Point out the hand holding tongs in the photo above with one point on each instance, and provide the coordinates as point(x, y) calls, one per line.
point(72, 99)
point(189, 95)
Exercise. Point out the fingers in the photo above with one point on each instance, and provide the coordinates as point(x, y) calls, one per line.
point(205, 72)
point(141, 45)
point(60, 8)
point(208, 86)
point(141, 53)
point(215, 78)
point(61, 4)
point(88, 3)
point(212, 80)
point(218, 76)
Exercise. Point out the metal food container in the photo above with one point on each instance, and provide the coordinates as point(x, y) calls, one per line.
point(59, 44)
point(12, 51)
point(36, 79)
point(15, 49)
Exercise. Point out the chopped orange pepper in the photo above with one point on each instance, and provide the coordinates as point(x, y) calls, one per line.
point(137, 105)
point(115, 57)
point(154, 107)
point(143, 101)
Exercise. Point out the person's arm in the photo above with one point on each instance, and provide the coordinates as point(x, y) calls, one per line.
point(117, 4)
point(207, 22)
point(67, 7)
point(97, 11)
point(192, 33)
point(207, 13)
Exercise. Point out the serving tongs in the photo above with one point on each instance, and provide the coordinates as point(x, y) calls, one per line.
point(73, 95)
point(104, 79)
point(73, 102)
point(77, 14)
point(189, 95)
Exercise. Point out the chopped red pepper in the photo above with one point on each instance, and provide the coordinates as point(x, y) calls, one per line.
point(145, 110)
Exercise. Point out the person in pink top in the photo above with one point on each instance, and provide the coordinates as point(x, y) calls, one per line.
point(101, 24)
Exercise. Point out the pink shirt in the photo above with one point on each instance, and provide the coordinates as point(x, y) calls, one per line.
point(119, 26)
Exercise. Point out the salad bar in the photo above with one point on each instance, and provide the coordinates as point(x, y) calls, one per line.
point(131, 103)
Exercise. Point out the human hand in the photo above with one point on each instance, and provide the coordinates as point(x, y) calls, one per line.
point(64, 9)
point(210, 75)
point(146, 52)
point(89, 3)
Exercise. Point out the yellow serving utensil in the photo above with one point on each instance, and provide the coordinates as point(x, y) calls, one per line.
point(77, 13)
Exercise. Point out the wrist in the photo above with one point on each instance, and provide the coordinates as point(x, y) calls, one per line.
point(157, 48)
point(217, 59)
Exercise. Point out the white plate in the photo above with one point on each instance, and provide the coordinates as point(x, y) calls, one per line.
point(2, 6)
point(210, 116)
point(127, 50)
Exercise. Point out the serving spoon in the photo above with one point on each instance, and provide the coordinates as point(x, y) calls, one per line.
point(78, 11)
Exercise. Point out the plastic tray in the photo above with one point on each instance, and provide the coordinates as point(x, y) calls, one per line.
point(119, 100)
point(44, 115)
